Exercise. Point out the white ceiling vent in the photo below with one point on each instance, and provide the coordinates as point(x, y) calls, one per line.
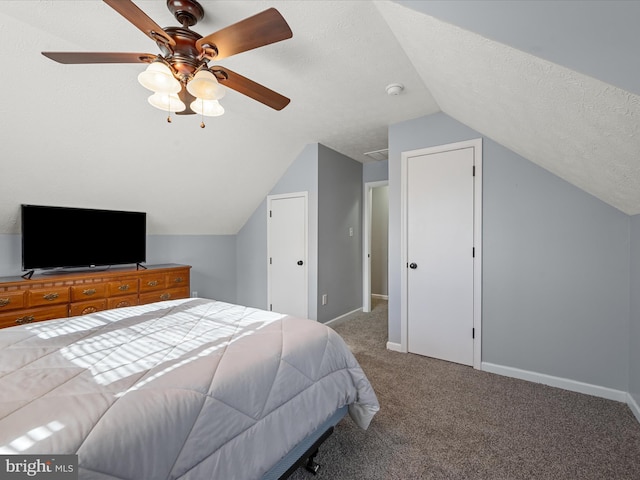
point(378, 155)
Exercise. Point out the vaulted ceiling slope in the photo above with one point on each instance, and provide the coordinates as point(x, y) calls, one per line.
point(552, 81)
point(84, 135)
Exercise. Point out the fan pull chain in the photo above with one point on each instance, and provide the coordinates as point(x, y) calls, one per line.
point(202, 125)
point(169, 109)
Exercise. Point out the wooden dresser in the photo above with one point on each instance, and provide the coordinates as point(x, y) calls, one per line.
point(49, 296)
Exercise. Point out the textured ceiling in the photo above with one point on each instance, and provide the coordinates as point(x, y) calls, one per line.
point(580, 128)
point(598, 38)
point(84, 135)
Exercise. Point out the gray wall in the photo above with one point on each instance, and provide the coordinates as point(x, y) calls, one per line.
point(301, 176)
point(634, 327)
point(375, 171)
point(380, 240)
point(339, 254)
point(10, 255)
point(555, 288)
point(251, 260)
point(555, 275)
point(212, 258)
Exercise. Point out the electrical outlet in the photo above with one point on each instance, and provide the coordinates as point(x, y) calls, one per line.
point(351, 231)
point(324, 299)
point(194, 294)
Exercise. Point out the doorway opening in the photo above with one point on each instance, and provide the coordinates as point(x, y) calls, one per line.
point(376, 238)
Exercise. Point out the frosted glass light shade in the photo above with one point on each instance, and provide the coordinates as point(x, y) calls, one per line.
point(167, 102)
point(205, 85)
point(158, 78)
point(208, 108)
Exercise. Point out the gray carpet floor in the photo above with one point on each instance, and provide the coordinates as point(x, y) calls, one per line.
point(440, 420)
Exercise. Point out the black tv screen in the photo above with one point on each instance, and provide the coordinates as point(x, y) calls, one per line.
point(63, 237)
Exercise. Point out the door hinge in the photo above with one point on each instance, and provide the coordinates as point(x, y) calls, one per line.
point(474, 171)
point(473, 252)
point(270, 261)
point(270, 307)
point(473, 333)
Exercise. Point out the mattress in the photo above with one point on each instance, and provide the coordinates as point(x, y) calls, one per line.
point(185, 389)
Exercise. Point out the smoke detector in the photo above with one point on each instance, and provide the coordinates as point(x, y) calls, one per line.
point(395, 89)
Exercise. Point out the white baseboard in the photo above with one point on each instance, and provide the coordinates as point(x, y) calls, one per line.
point(337, 319)
point(565, 383)
point(381, 297)
point(395, 347)
point(633, 405)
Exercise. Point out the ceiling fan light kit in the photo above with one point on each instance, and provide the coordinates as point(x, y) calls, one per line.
point(205, 86)
point(159, 78)
point(207, 108)
point(180, 77)
point(169, 102)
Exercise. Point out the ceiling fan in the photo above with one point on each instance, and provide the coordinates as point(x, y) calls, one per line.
point(183, 63)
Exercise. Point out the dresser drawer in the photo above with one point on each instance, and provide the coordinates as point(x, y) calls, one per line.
point(80, 293)
point(170, 294)
point(83, 308)
point(149, 283)
point(128, 286)
point(48, 296)
point(177, 279)
point(12, 300)
point(32, 315)
point(122, 301)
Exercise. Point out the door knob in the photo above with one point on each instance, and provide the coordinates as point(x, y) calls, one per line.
point(300, 262)
point(413, 266)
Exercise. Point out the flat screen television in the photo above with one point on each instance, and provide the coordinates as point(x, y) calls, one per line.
point(63, 237)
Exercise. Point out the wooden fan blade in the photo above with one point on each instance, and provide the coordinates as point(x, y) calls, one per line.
point(261, 29)
point(99, 57)
point(131, 12)
point(186, 98)
point(250, 88)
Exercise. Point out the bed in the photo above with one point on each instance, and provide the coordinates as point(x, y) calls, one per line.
point(184, 389)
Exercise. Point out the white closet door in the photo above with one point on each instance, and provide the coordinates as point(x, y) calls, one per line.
point(287, 252)
point(440, 280)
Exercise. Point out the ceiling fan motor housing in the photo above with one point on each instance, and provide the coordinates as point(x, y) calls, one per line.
point(184, 57)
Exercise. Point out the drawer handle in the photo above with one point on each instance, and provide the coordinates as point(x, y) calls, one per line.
point(25, 319)
point(89, 291)
point(179, 280)
point(89, 310)
point(4, 302)
point(51, 296)
point(165, 296)
point(123, 288)
point(152, 283)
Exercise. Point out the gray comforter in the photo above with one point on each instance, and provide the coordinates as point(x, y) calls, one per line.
point(188, 389)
